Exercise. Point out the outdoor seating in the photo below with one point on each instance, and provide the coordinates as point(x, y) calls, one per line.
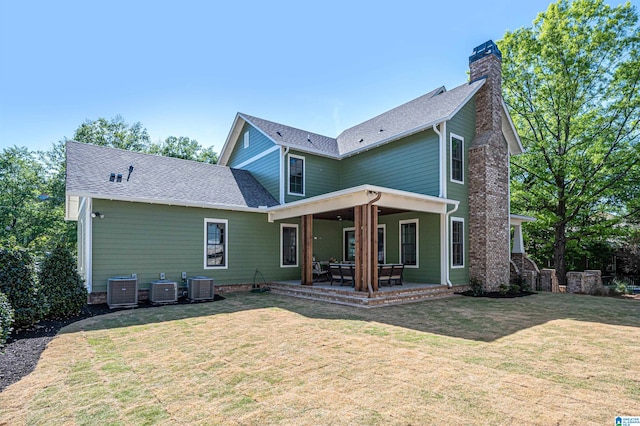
point(396, 274)
point(341, 273)
point(318, 273)
point(384, 274)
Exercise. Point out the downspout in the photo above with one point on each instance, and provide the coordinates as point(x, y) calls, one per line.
point(442, 135)
point(283, 173)
point(447, 269)
point(369, 204)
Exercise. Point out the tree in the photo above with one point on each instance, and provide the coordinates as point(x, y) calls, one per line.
point(185, 148)
point(115, 133)
point(22, 197)
point(61, 284)
point(572, 81)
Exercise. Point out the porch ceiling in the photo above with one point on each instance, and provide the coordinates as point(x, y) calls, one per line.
point(348, 198)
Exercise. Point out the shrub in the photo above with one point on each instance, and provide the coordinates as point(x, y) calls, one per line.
point(476, 287)
point(514, 289)
point(6, 319)
point(618, 287)
point(18, 283)
point(61, 284)
point(503, 289)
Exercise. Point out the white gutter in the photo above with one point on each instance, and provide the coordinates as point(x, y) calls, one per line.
point(445, 262)
point(88, 245)
point(442, 157)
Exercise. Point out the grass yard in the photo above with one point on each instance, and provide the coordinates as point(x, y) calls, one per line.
point(256, 359)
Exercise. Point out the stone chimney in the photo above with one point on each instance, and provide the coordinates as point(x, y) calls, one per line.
point(488, 175)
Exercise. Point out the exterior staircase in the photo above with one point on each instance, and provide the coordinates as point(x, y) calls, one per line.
point(347, 296)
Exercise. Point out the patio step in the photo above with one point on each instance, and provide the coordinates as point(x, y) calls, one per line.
point(360, 299)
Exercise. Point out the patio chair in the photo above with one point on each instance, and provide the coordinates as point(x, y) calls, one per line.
point(347, 275)
point(319, 273)
point(334, 273)
point(396, 274)
point(384, 274)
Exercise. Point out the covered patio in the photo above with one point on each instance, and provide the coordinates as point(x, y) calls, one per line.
point(363, 206)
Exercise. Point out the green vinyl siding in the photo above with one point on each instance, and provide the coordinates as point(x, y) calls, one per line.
point(409, 164)
point(266, 170)
point(428, 245)
point(462, 124)
point(258, 143)
point(327, 239)
point(148, 239)
point(321, 175)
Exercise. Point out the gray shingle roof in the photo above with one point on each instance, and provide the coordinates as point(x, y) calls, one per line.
point(158, 179)
point(411, 117)
point(291, 136)
point(415, 115)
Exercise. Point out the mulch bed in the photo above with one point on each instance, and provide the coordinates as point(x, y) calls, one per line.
point(21, 353)
point(497, 294)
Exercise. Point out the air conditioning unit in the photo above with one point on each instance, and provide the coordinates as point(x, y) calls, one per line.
point(163, 291)
point(200, 288)
point(122, 292)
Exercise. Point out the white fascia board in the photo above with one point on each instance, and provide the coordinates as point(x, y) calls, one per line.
point(360, 195)
point(71, 207)
point(517, 219)
point(510, 133)
point(232, 138)
point(180, 203)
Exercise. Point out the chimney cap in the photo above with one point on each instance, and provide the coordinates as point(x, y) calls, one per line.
point(485, 49)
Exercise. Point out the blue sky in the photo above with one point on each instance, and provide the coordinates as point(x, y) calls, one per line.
point(184, 68)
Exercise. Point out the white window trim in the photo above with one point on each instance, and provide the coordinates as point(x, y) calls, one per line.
point(400, 223)
point(460, 138)
point(289, 225)
point(226, 243)
point(246, 139)
point(344, 241)
point(457, 219)
point(304, 177)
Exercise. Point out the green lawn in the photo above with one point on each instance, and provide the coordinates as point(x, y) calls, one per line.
point(266, 359)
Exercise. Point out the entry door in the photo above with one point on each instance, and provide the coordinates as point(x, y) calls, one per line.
point(349, 252)
point(349, 241)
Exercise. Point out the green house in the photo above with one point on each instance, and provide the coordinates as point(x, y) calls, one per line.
point(424, 185)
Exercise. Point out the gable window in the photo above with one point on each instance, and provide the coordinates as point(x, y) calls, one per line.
point(288, 245)
point(246, 139)
point(457, 158)
point(409, 242)
point(296, 175)
point(215, 243)
point(457, 242)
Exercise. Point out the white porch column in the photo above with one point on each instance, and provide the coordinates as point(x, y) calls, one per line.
point(518, 242)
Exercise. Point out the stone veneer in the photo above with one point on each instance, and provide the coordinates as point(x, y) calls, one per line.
point(489, 179)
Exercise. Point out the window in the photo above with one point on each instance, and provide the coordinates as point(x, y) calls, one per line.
point(288, 245)
point(409, 242)
point(457, 158)
point(349, 242)
point(296, 175)
point(457, 242)
point(381, 251)
point(246, 139)
point(215, 243)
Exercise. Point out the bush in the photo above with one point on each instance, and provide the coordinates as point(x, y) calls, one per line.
point(514, 289)
point(18, 283)
point(476, 287)
point(61, 284)
point(503, 289)
point(618, 287)
point(6, 319)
